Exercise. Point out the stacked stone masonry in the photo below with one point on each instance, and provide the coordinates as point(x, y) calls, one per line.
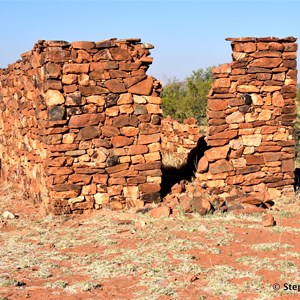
point(251, 113)
point(179, 138)
point(80, 125)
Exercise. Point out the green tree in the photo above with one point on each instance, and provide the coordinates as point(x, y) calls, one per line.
point(188, 98)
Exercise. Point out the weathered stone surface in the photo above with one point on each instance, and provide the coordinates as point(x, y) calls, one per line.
point(268, 220)
point(235, 117)
point(54, 97)
point(216, 153)
point(202, 165)
point(247, 89)
point(252, 140)
point(266, 62)
point(142, 88)
point(83, 120)
point(121, 141)
point(201, 205)
point(148, 139)
point(217, 105)
point(109, 131)
point(220, 166)
point(56, 113)
point(125, 120)
point(76, 68)
point(88, 133)
point(160, 212)
point(115, 86)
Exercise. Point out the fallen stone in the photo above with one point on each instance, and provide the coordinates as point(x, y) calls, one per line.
point(201, 205)
point(8, 215)
point(268, 220)
point(160, 212)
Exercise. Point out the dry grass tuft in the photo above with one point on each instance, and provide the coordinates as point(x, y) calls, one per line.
point(174, 160)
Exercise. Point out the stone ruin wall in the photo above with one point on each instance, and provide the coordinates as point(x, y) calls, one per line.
point(80, 125)
point(177, 138)
point(251, 113)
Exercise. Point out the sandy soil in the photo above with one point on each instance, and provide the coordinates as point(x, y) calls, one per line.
point(129, 255)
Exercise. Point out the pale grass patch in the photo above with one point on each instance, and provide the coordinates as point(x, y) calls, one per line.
point(219, 281)
point(270, 246)
point(174, 160)
point(256, 263)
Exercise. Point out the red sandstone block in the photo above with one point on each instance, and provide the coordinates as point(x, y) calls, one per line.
point(271, 156)
point(56, 162)
point(62, 147)
point(116, 181)
point(217, 104)
point(249, 47)
point(126, 173)
point(109, 131)
point(160, 212)
point(130, 66)
point(52, 84)
point(117, 168)
point(125, 120)
point(92, 90)
point(266, 62)
point(76, 68)
point(100, 178)
point(136, 180)
point(213, 114)
point(247, 170)
point(132, 80)
point(115, 86)
point(288, 165)
point(148, 139)
point(53, 70)
point(59, 170)
point(229, 134)
point(148, 188)
point(254, 159)
point(115, 190)
point(221, 82)
point(216, 153)
point(232, 180)
point(66, 187)
point(137, 149)
point(121, 141)
point(83, 45)
point(220, 166)
point(120, 54)
point(213, 143)
point(89, 189)
point(80, 178)
point(270, 148)
point(77, 121)
point(142, 88)
point(148, 166)
point(202, 165)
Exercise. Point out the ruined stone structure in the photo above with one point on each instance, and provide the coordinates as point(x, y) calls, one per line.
point(251, 112)
point(79, 125)
point(179, 138)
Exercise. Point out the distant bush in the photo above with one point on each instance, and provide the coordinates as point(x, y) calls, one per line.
point(185, 99)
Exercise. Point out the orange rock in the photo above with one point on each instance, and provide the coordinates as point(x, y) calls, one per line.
point(268, 220)
point(160, 212)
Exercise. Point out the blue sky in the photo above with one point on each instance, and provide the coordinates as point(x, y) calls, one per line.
point(187, 34)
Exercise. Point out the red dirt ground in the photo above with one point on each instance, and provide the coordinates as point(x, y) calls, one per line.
point(128, 255)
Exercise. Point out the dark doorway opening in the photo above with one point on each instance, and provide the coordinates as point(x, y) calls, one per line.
point(173, 175)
